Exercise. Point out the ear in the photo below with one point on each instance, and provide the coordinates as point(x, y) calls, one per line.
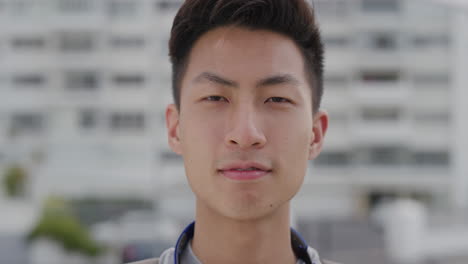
point(172, 125)
point(320, 126)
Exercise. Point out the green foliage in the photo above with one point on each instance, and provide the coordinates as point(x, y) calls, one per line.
point(59, 224)
point(14, 181)
point(92, 210)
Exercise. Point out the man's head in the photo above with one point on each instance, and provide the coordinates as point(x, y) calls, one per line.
point(292, 18)
point(245, 92)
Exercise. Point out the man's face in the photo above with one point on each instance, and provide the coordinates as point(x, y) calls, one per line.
point(245, 127)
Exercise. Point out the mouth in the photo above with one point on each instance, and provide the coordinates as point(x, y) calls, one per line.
point(245, 171)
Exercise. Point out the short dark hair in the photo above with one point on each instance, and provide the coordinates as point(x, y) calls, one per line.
point(292, 18)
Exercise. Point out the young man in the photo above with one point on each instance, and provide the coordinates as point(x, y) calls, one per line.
point(247, 84)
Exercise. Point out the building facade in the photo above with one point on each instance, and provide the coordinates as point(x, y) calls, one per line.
point(84, 85)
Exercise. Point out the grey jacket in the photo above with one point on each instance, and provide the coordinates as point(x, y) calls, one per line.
point(172, 255)
point(167, 257)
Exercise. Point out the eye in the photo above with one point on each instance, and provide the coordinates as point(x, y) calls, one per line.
point(215, 98)
point(278, 100)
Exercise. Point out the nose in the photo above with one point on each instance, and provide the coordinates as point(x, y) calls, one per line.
point(245, 130)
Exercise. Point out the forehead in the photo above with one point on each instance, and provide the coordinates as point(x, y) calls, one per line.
point(244, 55)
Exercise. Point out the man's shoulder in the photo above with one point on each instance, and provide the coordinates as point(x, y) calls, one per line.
point(167, 257)
point(314, 256)
point(147, 261)
point(156, 261)
point(324, 261)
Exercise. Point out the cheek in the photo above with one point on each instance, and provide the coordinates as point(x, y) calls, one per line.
point(197, 150)
point(293, 132)
point(292, 141)
point(200, 137)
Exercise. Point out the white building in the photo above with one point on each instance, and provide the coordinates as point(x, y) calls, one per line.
point(79, 92)
point(394, 90)
point(84, 85)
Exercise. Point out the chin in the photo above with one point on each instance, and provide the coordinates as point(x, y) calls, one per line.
point(248, 213)
point(246, 216)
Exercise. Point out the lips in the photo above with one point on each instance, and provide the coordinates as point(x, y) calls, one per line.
point(244, 171)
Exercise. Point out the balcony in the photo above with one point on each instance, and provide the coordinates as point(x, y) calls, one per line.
point(381, 13)
point(381, 93)
point(435, 59)
point(377, 132)
point(410, 178)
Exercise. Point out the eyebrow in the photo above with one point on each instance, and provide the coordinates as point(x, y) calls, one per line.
point(268, 81)
point(208, 76)
point(278, 79)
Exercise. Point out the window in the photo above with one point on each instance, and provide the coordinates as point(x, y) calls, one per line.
point(164, 47)
point(74, 6)
point(24, 123)
point(162, 117)
point(20, 7)
point(336, 41)
point(383, 155)
point(169, 156)
point(333, 158)
point(129, 80)
point(127, 42)
point(28, 80)
point(384, 41)
point(330, 8)
point(430, 41)
point(380, 76)
point(438, 79)
point(380, 5)
point(168, 4)
point(338, 117)
point(88, 119)
point(81, 80)
point(335, 80)
point(123, 8)
point(76, 41)
point(27, 42)
point(432, 118)
point(127, 121)
point(380, 114)
point(433, 10)
point(431, 158)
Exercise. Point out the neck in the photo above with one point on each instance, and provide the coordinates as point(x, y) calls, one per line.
point(218, 239)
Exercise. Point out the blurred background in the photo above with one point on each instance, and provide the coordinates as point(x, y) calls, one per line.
point(86, 175)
